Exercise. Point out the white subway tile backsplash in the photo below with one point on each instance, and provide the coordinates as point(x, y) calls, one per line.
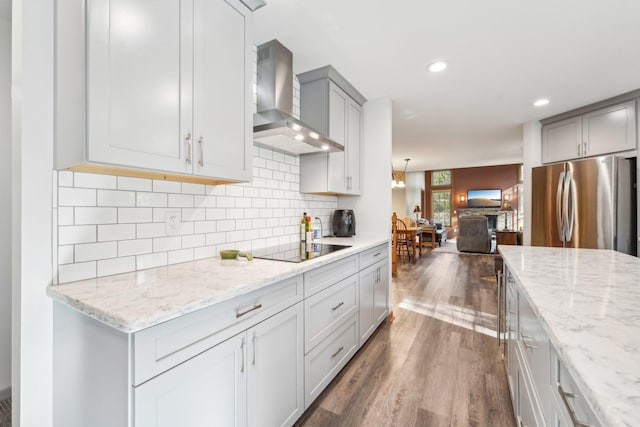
point(116, 232)
point(90, 215)
point(204, 227)
point(134, 247)
point(133, 184)
point(205, 201)
point(65, 178)
point(78, 271)
point(151, 260)
point(76, 196)
point(181, 255)
point(152, 200)
point(155, 229)
point(134, 215)
point(180, 201)
point(160, 186)
point(190, 188)
point(193, 240)
point(117, 224)
point(65, 216)
point(68, 235)
point(193, 214)
point(65, 254)
point(163, 244)
point(107, 267)
point(95, 251)
point(94, 180)
point(116, 198)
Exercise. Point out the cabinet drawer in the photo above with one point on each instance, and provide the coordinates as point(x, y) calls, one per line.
point(372, 255)
point(324, 362)
point(530, 411)
point(568, 396)
point(324, 311)
point(322, 277)
point(534, 344)
point(161, 347)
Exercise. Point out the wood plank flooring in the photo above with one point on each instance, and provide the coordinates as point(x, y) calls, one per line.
point(437, 364)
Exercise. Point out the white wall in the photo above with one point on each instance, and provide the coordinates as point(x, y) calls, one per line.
point(32, 160)
point(413, 193)
point(398, 201)
point(5, 207)
point(531, 157)
point(373, 207)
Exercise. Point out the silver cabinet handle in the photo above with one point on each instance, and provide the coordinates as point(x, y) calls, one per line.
point(498, 330)
point(574, 419)
point(377, 254)
point(242, 346)
point(337, 306)
point(579, 149)
point(242, 312)
point(200, 143)
point(188, 141)
point(253, 341)
point(337, 351)
point(585, 148)
point(526, 344)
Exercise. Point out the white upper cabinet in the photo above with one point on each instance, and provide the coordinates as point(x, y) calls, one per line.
point(331, 105)
point(168, 89)
point(603, 131)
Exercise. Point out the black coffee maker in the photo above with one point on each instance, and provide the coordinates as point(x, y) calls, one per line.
point(344, 223)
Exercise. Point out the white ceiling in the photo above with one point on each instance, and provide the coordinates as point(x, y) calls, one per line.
point(502, 54)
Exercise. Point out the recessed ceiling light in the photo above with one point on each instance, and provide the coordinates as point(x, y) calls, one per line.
point(541, 102)
point(436, 67)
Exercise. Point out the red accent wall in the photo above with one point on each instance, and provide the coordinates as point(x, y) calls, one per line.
point(504, 177)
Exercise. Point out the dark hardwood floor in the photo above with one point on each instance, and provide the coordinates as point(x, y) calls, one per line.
point(437, 364)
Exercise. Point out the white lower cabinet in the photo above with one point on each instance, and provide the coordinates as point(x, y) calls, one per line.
point(209, 389)
point(258, 359)
point(374, 290)
point(542, 391)
point(254, 378)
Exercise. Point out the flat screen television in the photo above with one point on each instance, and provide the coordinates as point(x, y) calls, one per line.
point(490, 198)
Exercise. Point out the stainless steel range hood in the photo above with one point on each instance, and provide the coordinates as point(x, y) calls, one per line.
point(274, 124)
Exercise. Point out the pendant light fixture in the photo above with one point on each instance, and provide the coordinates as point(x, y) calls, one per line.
point(399, 183)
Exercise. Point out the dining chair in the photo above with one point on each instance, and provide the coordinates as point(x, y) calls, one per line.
point(402, 238)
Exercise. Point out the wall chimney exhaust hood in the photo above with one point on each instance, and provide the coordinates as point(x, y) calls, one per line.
point(274, 124)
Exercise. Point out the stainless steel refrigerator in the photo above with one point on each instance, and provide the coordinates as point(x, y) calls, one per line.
point(588, 203)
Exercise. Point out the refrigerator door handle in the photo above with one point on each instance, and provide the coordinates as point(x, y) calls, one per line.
point(567, 217)
point(560, 207)
point(574, 206)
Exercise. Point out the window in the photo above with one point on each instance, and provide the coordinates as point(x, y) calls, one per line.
point(440, 178)
point(441, 206)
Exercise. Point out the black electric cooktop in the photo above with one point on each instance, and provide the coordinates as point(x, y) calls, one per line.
point(296, 252)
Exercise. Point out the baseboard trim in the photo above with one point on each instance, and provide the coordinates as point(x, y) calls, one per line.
point(5, 393)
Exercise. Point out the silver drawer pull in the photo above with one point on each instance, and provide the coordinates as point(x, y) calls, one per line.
point(574, 419)
point(242, 312)
point(526, 344)
point(242, 350)
point(337, 351)
point(378, 254)
point(188, 149)
point(337, 306)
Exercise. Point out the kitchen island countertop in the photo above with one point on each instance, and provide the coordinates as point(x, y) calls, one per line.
point(588, 301)
point(133, 301)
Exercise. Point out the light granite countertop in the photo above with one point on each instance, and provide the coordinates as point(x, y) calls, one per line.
point(589, 303)
point(133, 301)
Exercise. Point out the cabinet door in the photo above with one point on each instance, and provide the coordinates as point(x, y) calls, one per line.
point(368, 278)
point(354, 137)
point(275, 382)
point(381, 292)
point(222, 95)
point(562, 140)
point(338, 107)
point(138, 65)
point(610, 130)
point(207, 390)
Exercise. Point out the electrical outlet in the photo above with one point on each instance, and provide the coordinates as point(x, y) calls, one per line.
point(172, 222)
